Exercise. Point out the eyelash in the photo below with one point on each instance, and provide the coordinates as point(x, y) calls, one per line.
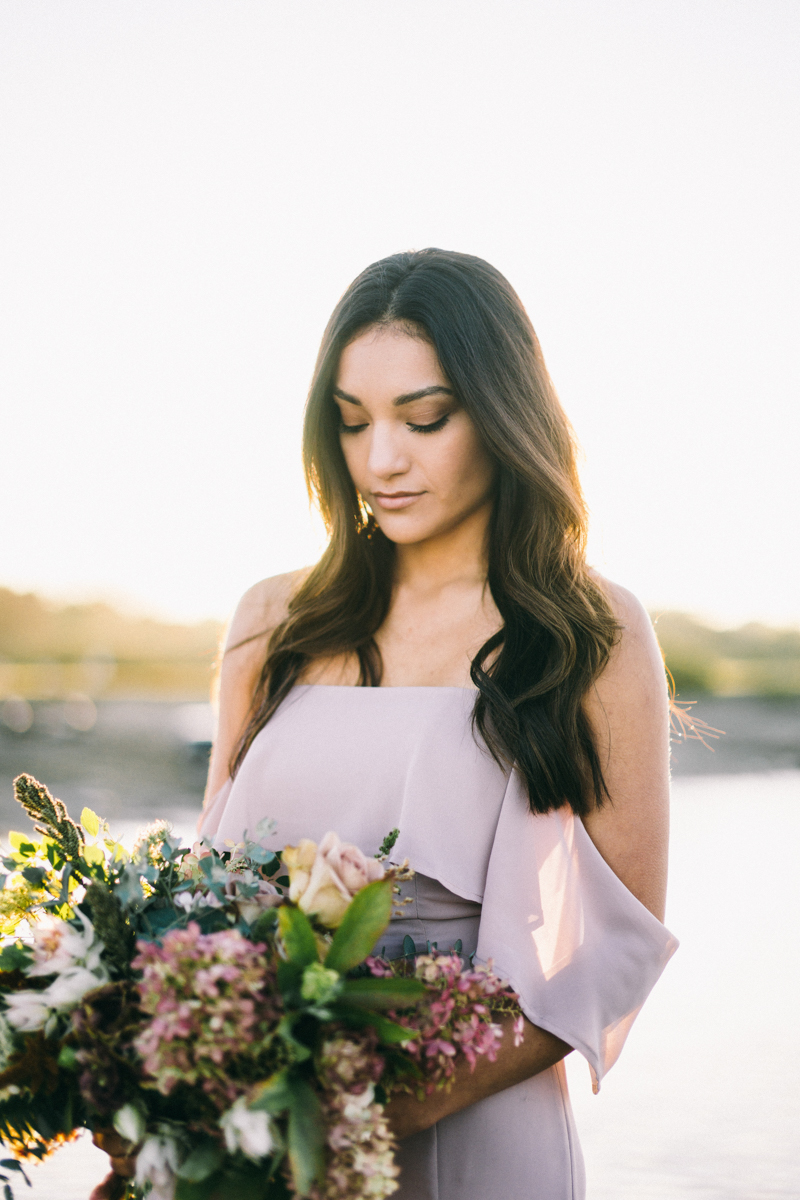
point(433, 427)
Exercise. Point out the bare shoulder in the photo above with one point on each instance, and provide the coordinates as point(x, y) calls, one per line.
point(628, 711)
point(262, 608)
point(635, 662)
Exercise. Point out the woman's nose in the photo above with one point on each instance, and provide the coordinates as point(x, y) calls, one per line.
point(386, 454)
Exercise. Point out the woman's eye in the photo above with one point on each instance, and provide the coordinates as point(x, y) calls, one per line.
point(351, 428)
point(432, 427)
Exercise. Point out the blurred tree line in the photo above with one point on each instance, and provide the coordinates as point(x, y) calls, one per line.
point(50, 651)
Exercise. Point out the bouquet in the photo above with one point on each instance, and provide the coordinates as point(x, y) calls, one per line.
point(222, 1012)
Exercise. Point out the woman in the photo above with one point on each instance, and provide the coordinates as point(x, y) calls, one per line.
point(452, 630)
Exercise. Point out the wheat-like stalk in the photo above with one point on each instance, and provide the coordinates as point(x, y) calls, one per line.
point(55, 820)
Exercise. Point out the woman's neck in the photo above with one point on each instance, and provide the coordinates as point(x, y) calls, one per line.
point(458, 557)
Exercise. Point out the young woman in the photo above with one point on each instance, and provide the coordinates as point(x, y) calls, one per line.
point(453, 668)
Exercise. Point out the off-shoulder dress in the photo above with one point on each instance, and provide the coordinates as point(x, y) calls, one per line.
point(531, 893)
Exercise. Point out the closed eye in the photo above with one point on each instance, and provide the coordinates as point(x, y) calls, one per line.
point(432, 428)
point(351, 428)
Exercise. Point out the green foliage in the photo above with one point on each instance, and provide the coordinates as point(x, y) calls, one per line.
point(367, 992)
point(15, 957)
point(387, 845)
point(111, 927)
point(364, 921)
point(202, 1161)
point(298, 936)
point(305, 1138)
point(56, 822)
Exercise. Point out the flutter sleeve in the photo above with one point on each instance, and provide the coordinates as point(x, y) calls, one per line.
point(582, 952)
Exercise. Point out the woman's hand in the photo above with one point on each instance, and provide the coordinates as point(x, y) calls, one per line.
point(539, 1050)
point(123, 1164)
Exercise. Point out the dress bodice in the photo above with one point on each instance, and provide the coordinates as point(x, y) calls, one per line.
point(580, 949)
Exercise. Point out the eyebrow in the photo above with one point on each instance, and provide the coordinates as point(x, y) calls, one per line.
point(406, 398)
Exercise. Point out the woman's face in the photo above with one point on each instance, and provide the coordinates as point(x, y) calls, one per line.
point(412, 451)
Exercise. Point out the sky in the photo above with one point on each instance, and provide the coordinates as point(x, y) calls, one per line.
point(188, 186)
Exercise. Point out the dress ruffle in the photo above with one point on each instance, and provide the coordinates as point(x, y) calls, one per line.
point(573, 941)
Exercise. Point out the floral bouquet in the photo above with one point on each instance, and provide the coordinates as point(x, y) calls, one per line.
point(222, 1012)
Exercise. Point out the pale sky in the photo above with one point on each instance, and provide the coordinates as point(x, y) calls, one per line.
point(187, 188)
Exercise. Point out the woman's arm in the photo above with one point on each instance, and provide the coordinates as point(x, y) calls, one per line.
point(628, 710)
point(538, 1051)
point(629, 714)
point(260, 610)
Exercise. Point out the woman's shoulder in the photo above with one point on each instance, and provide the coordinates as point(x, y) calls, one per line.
point(262, 608)
point(635, 665)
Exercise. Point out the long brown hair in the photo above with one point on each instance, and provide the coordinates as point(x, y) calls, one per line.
point(558, 627)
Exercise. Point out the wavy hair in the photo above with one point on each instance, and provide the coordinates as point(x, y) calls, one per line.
point(558, 628)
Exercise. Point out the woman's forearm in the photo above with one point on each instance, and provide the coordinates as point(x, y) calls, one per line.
point(538, 1051)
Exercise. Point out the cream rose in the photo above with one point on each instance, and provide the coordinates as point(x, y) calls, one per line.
point(325, 878)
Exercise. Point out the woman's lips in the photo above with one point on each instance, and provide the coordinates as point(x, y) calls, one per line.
point(393, 500)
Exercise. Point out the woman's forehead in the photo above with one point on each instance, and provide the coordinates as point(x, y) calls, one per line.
point(388, 361)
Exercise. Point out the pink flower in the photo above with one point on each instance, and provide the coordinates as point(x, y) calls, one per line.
point(325, 878)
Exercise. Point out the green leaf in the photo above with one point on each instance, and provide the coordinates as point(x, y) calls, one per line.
point(68, 1058)
point(186, 1189)
point(274, 1095)
point(300, 1052)
point(298, 936)
point(21, 842)
point(65, 876)
point(387, 845)
point(263, 925)
point(201, 1162)
point(364, 921)
point(306, 1138)
point(382, 993)
point(34, 875)
point(90, 822)
point(15, 956)
point(388, 1031)
point(409, 949)
point(93, 855)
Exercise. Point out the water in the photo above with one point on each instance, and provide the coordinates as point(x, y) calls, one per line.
point(704, 1102)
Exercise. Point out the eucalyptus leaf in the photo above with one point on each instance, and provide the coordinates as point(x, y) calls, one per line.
point(90, 822)
point(34, 875)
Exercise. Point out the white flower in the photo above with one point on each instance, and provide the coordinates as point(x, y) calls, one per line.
point(129, 1123)
point(72, 986)
point(247, 1131)
point(59, 946)
point(157, 1164)
point(357, 1103)
point(27, 1011)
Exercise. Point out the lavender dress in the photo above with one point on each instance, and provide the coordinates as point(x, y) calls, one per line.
point(531, 893)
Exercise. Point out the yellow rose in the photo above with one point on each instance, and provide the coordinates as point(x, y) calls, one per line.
point(298, 861)
point(324, 878)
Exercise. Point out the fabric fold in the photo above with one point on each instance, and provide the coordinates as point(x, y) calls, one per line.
point(577, 946)
point(582, 952)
